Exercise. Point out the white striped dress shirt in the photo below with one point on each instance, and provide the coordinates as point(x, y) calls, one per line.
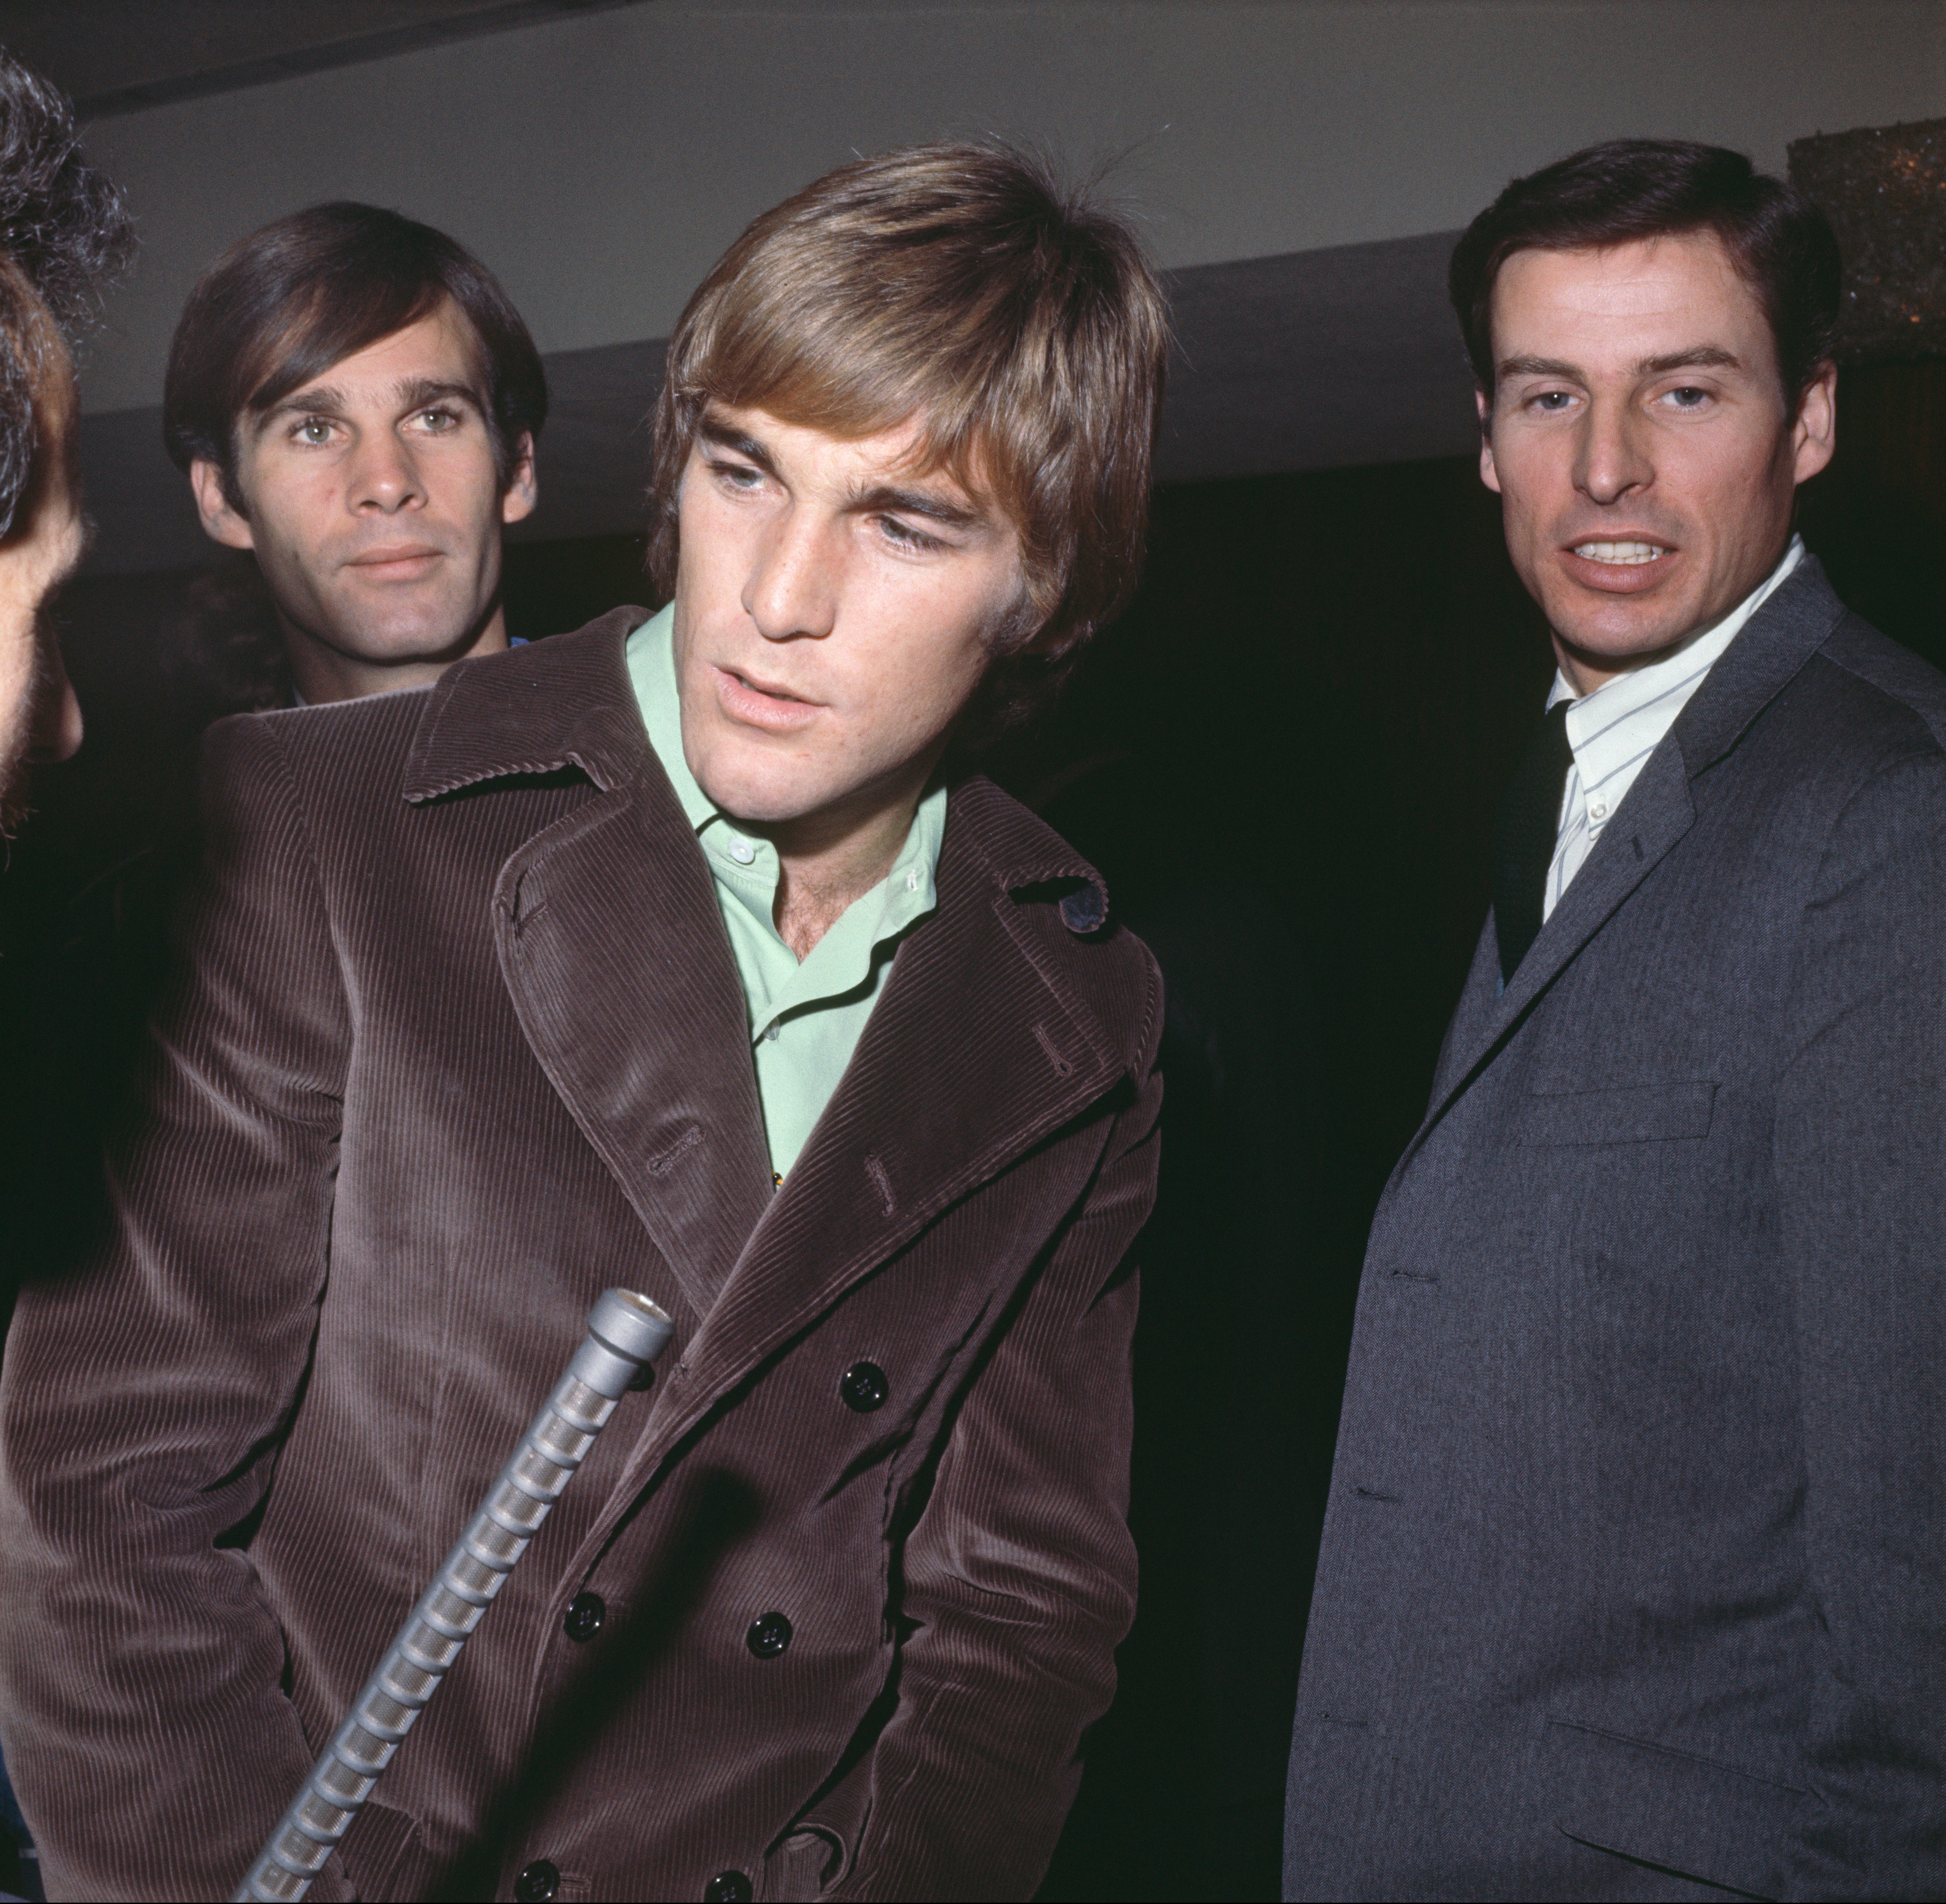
point(1614, 730)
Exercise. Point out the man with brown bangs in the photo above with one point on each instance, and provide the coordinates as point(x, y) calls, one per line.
point(676, 953)
point(355, 400)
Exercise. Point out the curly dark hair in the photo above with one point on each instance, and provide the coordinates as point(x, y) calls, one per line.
point(64, 232)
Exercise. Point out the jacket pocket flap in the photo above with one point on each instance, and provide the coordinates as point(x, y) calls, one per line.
point(382, 1854)
point(1635, 1114)
point(1687, 1814)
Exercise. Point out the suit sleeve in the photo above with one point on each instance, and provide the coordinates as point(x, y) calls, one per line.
point(1859, 1154)
point(146, 1392)
point(1020, 1575)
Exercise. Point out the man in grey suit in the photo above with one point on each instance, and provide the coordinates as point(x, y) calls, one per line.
point(1632, 1580)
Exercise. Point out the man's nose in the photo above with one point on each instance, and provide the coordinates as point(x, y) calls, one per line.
point(1612, 460)
point(384, 477)
point(793, 585)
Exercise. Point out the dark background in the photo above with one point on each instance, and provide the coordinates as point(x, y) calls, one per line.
point(1286, 759)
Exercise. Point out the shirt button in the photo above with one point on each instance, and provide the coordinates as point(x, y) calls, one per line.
point(743, 852)
point(768, 1636)
point(727, 1888)
point(538, 1882)
point(770, 1032)
point(1598, 811)
point(586, 1612)
point(863, 1387)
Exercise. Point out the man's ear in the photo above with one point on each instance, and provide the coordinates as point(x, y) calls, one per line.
point(1815, 435)
point(523, 491)
point(1488, 474)
point(221, 522)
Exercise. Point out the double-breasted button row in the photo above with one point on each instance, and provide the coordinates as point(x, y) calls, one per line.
point(540, 1881)
point(863, 1387)
point(769, 1633)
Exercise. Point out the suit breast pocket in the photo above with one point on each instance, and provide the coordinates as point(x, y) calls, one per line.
point(1629, 1114)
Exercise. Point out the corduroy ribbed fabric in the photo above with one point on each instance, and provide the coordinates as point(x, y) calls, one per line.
point(458, 1042)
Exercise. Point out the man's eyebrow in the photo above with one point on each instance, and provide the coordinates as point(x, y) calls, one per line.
point(1705, 356)
point(725, 437)
point(892, 500)
point(326, 398)
point(1536, 367)
point(419, 393)
point(408, 393)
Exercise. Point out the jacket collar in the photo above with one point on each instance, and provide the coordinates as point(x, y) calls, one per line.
point(567, 702)
point(1779, 639)
point(1765, 656)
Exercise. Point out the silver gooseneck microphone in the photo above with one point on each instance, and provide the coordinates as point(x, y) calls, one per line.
point(625, 1333)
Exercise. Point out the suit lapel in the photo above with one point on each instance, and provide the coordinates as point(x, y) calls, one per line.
point(1657, 814)
point(1659, 810)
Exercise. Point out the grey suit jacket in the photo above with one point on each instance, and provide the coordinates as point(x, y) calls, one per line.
point(1633, 1582)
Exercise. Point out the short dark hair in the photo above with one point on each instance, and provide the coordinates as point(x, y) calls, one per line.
point(284, 304)
point(1629, 189)
point(1019, 316)
point(64, 232)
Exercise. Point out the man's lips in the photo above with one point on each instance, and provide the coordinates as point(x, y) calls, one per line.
point(395, 561)
point(762, 703)
point(1622, 564)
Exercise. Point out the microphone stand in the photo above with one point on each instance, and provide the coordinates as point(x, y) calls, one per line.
point(626, 1333)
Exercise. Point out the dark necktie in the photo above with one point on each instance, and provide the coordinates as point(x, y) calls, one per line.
point(1523, 838)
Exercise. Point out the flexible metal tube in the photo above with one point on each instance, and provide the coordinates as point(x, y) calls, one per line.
point(625, 1333)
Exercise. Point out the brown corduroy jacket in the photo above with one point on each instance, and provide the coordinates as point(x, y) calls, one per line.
point(459, 1042)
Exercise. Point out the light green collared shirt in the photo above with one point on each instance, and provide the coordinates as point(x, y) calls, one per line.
point(804, 1018)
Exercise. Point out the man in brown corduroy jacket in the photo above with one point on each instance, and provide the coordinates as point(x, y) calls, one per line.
point(669, 954)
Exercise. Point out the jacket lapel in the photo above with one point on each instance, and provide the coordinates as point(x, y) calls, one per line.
point(610, 944)
point(1659, 810)
point(615, 955)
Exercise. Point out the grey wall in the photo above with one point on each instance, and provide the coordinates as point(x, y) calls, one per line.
point(600, 163)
